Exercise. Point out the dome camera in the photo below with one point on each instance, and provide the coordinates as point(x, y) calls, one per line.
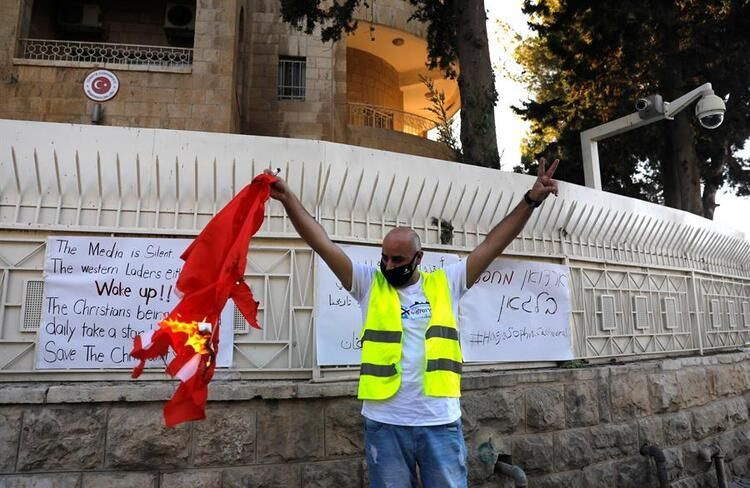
point(710, 111)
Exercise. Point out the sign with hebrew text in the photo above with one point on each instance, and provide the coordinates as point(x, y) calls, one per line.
point(517, 311)
point(338, 317)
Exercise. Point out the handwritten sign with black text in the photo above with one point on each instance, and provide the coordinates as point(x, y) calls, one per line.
point(100, 292)
point(515, 311)
point(338, 317)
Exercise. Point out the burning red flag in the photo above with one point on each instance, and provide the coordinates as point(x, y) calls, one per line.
point(213, 272)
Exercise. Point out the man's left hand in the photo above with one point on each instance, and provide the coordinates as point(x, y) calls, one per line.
point(544, 184)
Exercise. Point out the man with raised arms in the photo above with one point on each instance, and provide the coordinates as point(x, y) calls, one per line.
point(410, 373)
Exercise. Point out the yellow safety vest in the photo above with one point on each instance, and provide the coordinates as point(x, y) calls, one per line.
point(382, 336)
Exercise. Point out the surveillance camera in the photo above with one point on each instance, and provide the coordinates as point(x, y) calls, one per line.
point(710, 111)
point(650, 106)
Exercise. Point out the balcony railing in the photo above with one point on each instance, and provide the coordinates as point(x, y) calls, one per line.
point(364, 115)
point(100, 52)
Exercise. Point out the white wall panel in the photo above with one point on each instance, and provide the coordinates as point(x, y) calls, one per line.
point(73, 179)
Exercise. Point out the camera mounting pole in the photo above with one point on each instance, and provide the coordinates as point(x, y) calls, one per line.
point(648, 114)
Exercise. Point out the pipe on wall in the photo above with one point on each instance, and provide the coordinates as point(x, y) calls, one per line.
point(503, 466)
point(713, 454)
point(657, 454)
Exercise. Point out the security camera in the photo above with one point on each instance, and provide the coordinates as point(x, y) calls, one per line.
point(650, 106)
point(710, 111)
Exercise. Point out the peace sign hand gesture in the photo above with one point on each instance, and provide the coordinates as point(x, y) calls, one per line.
point(544, 184)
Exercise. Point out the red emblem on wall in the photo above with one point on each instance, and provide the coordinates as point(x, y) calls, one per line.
point(101, 85)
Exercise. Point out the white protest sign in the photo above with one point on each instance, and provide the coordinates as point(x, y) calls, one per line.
point(100, 292)
point(338, 317)
point(517, 311)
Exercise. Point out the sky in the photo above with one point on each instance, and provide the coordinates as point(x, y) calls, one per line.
point(732, 211)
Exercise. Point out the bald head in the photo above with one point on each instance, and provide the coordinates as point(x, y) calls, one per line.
point(401, 246)
point(403, 236)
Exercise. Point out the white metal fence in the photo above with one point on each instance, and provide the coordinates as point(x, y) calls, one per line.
point(645, 279)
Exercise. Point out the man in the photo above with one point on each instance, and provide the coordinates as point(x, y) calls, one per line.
point(411, 357)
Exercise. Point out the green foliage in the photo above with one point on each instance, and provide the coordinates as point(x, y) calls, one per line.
point(573, 364)
point(438, 108)
point(334, 20)
point(440, 18)
point(590, 61)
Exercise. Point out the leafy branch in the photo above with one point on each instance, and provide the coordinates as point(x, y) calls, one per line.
point(440, 110)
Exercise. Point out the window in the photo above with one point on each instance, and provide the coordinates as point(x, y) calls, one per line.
point(291, 78)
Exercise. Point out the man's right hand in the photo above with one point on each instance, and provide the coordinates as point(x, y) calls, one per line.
point(279, 188)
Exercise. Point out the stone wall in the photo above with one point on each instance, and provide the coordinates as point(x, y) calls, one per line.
point(334, 75)
point(197, 98)
point(393, 13)
point(321, 115)
point(400, 142)
point(565, 427)
point(9, 9)
point(372, 80)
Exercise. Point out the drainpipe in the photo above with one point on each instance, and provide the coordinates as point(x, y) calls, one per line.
point(713, 453)
point(655, 452)
point(503, 466)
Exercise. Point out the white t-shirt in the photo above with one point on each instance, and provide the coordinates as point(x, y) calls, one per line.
point(409, 406)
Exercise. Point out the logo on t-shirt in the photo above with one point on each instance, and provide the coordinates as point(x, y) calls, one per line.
point(416, 311)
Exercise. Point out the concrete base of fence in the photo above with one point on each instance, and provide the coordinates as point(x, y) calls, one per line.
point(564, 427)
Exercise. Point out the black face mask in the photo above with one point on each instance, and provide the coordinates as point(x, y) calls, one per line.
point(399, 275)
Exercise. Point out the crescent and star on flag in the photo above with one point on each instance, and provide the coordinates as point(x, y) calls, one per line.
point(213, 273)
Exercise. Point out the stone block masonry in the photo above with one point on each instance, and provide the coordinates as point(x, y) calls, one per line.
point(565, 427)
point(197, 97)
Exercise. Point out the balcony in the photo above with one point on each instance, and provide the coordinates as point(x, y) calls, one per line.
point(388, 105)
point(390, 129)
point(364, 115)
point(122, 55)
point(141, 35)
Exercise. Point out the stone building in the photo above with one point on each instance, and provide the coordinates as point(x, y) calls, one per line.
point(230, 66)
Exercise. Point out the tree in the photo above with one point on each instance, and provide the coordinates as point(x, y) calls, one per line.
point(456, 34)
point(584, 69)
point(440, 110)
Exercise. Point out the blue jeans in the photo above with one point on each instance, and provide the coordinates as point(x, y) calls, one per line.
point(394, 452)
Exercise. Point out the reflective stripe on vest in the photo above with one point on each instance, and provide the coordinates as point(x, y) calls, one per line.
point(380, 371)
point(382, 335)
point(443, 364)
point(442, 376)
